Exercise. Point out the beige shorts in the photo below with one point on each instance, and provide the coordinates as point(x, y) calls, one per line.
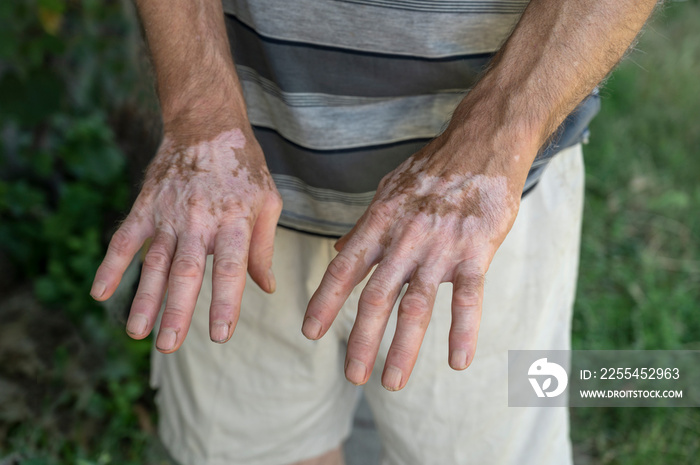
point(270, 396)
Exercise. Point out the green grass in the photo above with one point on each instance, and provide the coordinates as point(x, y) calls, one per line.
point(639, 285)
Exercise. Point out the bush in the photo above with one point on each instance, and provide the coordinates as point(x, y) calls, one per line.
point(73, 388)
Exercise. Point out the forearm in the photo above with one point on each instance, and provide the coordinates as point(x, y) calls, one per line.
point(196, 79)
point(558, 52)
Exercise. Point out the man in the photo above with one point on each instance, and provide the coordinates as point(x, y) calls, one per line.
point(340, 95)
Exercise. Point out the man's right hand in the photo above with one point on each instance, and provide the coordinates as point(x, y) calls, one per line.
point(199, 197)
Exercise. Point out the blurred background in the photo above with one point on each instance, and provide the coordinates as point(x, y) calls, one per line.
point(79, 122)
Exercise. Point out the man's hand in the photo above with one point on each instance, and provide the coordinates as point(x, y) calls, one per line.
point(441, 215)
point(199, 197)
point(208, 190)
point(434, 219)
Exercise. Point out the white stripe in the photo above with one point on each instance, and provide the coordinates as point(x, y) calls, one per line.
point(352, 122)
point(375, 29)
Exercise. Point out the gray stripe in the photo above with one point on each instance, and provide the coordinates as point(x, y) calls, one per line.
point(348, 126)
point(322, 194)
point(318, 210)
point(365, 27)
point(296, 67)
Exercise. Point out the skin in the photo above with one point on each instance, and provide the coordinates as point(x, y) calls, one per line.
point(439, 217)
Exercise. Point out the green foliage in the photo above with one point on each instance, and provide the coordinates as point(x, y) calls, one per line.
point(63, 176)
point(639, 284)
point(65, 69)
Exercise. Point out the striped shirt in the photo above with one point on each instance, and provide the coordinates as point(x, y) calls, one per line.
point(340, 92)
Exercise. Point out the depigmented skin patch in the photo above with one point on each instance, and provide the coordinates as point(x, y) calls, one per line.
point(213, 181)
point(178, 160)
point(417, 190)
point(177, 164)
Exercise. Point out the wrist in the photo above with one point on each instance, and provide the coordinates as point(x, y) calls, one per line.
point(195, 100)
point(492, 131)
point(204, 117)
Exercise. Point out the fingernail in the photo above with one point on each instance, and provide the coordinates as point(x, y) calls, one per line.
point(136, 325)
point(271, 282)
point(392, 378)
point(311, 328)
point(98, 289)
point(355, 371)
point(219, 331)
point(458, 359)
point(166, 340)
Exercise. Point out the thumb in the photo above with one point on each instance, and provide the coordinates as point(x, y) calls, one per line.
point(262, 245)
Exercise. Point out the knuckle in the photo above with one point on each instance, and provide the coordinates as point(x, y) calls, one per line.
point(187, 266)
point(276, 201)
point(145, 300)
point(319, 304)
point(414, 229)
point(228, 268)
point(361, 343)
point(121, 241)
point(220, 308)
point(472, 281)
point(341, 268)
point(174, 314)
point(402, 353)
point(222, 305)
point(380, 212)
point(198, 219)
point(466, 298)
point(156, 260)
point(374, 297)
point(414, 315)
point(414, 305)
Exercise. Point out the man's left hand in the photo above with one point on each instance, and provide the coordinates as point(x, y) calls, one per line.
point(439, 217)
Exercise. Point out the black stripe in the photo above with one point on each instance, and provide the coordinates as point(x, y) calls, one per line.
point(300, 67)
point(327, 152)
point(356, 170)
point(446, 7)
point(327, 236)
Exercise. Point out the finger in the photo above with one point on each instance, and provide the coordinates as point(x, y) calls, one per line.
point(361, 251)
point(125, 243)
point(344, 272)
point(262, 245)
point(228, 278)
point(412, 321)
point(467, 298)
point(371, 215)
point(152, 285)
point(340, 243)
point(376, 301)
point(184, 283)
